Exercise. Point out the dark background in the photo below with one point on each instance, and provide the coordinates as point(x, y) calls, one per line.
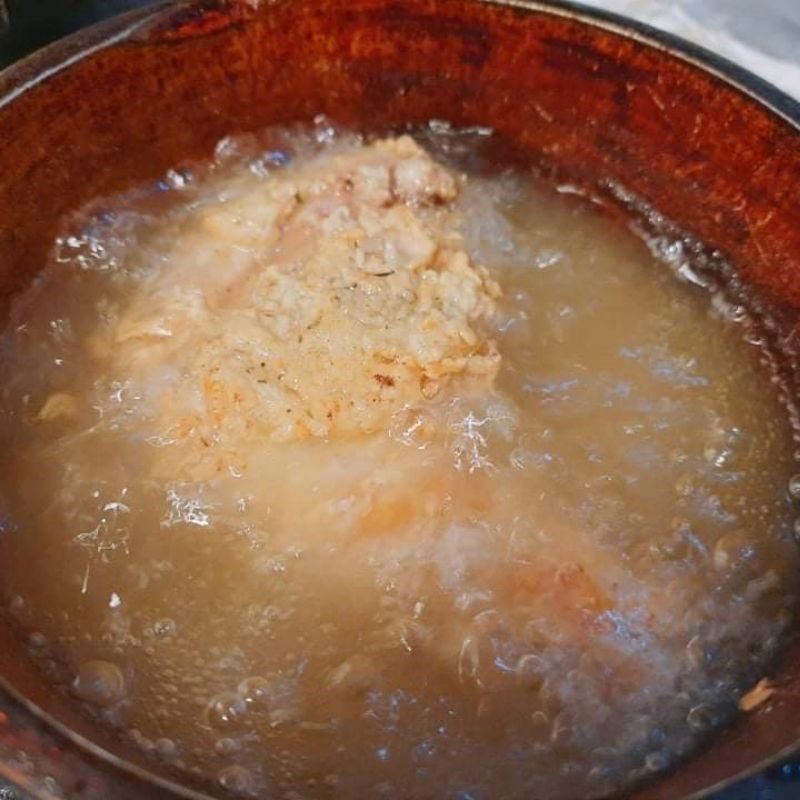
point(26, 25)
point(33, 23)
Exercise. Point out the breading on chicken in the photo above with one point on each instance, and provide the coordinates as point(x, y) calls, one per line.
point(317, 304)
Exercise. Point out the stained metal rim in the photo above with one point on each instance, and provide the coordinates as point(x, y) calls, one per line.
point(38, 67)
point(763, 92)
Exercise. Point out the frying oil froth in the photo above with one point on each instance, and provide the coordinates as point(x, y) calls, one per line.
point(542, 564)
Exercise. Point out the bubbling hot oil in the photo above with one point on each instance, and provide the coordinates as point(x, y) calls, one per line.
point(549, 591)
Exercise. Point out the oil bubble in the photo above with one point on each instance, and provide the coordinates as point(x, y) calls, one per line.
point(700, 717)
point(255, 692)
point(226, 746)
point(226, 710)
point(655, 762)
point(99, 683)
point(164, 628)
point(166, 748)
point(237, 780)
point(528, 672)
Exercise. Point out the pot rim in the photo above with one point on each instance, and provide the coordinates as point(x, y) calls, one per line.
point(28, 72)
point(756, 88)
point(37, 67)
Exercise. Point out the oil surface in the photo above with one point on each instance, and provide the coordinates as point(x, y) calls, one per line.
point(549, 588)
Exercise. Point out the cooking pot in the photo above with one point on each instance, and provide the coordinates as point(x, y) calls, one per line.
point(665, 131)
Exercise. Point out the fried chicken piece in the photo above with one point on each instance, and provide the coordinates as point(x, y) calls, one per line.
point(317, 304)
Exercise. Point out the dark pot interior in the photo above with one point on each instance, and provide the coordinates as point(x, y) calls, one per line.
point(578, 93)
